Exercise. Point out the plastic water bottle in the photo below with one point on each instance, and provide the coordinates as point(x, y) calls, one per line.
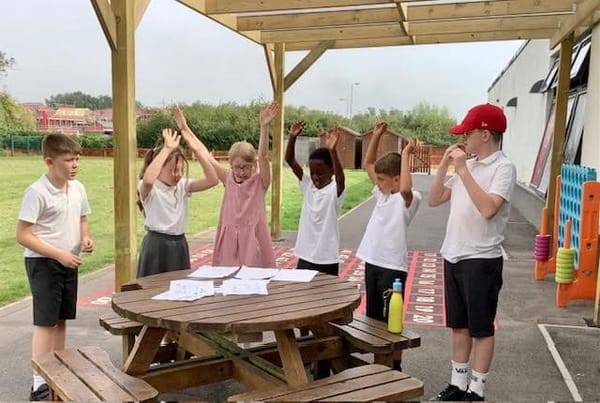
point(396, 315)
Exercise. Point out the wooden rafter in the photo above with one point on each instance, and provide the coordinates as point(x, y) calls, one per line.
point(305, 63)
point(107, 20)
point(585, 10)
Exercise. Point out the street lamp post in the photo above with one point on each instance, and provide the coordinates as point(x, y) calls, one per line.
point(352, 97)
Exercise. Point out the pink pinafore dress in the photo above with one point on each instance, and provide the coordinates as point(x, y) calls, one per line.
point(243, 235)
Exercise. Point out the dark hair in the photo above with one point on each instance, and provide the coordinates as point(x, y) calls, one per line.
point(390, 164)
point(322, 154)
point(55, 144)
point(177, 153)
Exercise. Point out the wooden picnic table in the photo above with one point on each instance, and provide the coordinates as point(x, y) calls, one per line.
point(209, 320)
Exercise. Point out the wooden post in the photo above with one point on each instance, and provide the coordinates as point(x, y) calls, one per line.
point(124, 141)
point(560, 120)
point(277, 152)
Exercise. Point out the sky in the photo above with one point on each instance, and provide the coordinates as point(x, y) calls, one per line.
point(184, 57)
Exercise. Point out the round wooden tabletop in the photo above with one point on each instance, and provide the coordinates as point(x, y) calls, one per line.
point(289, 305)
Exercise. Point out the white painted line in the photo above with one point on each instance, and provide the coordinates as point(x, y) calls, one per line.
point(354, 208)
point(560, 364)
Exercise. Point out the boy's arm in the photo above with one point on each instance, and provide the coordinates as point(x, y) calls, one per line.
point(267, 114)
point(331, 140)
point(26, 237)
point(290, 151)
point(87, 245)
point(198, 147)
point(171, 141)
point(438, 193)
point(371, 155)
point(405, 176)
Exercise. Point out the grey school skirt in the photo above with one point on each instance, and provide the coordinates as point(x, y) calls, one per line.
point(160, 253)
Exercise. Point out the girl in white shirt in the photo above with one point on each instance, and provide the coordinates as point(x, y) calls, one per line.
point(163, 194)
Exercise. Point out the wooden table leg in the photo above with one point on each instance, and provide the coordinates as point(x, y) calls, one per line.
point(144, 350)
point(290, 357)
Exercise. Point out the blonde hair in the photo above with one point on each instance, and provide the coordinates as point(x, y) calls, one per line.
point(243, 150)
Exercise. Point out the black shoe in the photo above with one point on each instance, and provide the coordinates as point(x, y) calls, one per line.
point(41, 393)
point(473, 397)
point(451, 393)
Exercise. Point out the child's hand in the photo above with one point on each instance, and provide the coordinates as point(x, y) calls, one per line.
point(171, 139)
point(87, 245)
point(409, 148)
point(268, 113)
point(180, 119)
point(296, 128)
point(380, 128)
point(69, 260)
point(331, 138)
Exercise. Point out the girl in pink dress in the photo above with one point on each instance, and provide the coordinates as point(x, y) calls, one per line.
point(243, 234)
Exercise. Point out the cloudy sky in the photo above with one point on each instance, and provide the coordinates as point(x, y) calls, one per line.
point(182, 57)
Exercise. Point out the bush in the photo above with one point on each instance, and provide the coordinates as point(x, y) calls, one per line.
point(94, 141)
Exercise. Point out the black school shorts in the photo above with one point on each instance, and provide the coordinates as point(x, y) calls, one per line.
point(472, 287)
point(331, 268)
point(54, 290)
point(377, 281)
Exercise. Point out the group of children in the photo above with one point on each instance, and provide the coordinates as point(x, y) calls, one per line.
point(242, 236)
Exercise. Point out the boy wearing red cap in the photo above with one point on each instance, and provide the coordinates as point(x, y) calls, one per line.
point(479, 195)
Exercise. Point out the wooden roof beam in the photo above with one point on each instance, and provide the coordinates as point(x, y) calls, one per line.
point(227, 20)
point(401, 8)
point(268, 49)
point(415, 29)
point(140, 10)
point(487, 9)
point(305, 63)
point(414, 13)
point(107, 20)
point(429, 39)
point(253, 6)
point(585, 11)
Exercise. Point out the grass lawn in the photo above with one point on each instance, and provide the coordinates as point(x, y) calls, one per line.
point(97, 176)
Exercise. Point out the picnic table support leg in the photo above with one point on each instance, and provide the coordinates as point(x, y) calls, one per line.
point(127, 345)
point(290, 357)
point(144, 350)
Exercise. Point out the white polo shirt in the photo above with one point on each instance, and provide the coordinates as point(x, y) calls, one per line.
point(318, 239)
point(166, 207)
point(468, 234)
point(384, 242)
point(55, 213)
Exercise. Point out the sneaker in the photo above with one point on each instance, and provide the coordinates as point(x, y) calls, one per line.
point(41, 393)
point(473, 397)
point(451, 393)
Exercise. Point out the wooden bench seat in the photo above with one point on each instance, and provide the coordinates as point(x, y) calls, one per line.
point(361, 384)
point(120, 326)
point(368, 335)
point(87, 374)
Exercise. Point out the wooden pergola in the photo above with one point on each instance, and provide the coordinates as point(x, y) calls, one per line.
point(316, 26)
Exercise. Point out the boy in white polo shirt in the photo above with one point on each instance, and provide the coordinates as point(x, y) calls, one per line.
point(54, 230)
point(383, 247)
point(479, 195)
point(318, 241)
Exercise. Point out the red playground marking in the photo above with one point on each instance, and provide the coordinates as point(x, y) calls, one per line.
point(424, 292)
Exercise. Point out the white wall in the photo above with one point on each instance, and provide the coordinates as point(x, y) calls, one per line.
point(590, 148)
point(526, 121)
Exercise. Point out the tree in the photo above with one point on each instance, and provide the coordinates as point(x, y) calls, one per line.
point(81, 100)
point(14, 117)
point(5, 63)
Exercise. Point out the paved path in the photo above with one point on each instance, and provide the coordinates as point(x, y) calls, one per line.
point(542, 352)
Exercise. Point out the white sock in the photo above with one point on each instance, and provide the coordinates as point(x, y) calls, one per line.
point(460, 375)
point(37, 381)
point(477, 384)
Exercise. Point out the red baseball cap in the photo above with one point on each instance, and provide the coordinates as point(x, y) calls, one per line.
point(484, 116)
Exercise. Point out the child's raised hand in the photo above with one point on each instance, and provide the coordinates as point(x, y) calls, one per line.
point(171, 139)
point(268, 113)
point(180, 119)
point(410, 146)
point(380, 128)
point(296, 128)
point(331, 138)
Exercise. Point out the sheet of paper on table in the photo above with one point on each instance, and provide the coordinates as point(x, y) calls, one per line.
point(236, 286)
point(213, 271)
point(255, 273)
point(298, 275)
point(187, 290)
